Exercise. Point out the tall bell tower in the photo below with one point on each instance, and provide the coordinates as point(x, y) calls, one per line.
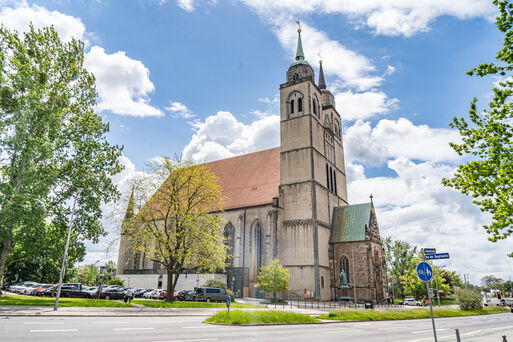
point(312, 175)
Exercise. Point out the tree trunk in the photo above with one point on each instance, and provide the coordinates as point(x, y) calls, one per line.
point(3, 259)
point(172, 279)
point(274, 295)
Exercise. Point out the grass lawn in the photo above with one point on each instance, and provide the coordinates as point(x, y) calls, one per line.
point(47, 301)
point(180, 304)
point(371, 315)
point(237, 317)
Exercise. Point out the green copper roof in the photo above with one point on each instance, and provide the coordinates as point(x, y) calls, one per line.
point(349, 222)
point(300, 55)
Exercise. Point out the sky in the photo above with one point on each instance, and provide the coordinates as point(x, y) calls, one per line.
point(200, 78)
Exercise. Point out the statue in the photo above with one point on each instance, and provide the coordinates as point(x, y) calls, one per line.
point(343, 279)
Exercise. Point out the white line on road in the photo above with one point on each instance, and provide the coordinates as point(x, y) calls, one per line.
point(34, 323)
point(192, 340)
point(341, 331)
point(55, 330)
point(120, 329)
point(110, 322)
point(425, 331)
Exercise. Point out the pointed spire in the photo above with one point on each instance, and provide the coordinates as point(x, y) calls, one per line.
point(130, 207)
point(322, 81)
point(300, 55)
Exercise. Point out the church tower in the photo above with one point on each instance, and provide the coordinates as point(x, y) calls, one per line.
point(312, 175)
point(124, 253)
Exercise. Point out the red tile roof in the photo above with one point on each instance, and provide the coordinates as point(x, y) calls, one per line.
point(248, 180)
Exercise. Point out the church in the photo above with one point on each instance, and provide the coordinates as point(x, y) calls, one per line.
point(289, 203)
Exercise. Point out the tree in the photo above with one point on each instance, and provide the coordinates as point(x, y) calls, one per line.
point(273, 278)
point(488, 137)
point(400, 256)
point(452, 279)
point(469, 299)
point(88, 275)
point(220, 285)
point(415, 287)
point(179, 227)
point(51, 141)
point(492, 282)
point(115, 281)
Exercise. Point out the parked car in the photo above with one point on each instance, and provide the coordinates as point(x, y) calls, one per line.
point(44, 290)
point(208, 294)
point(160, 294)
point(140, 292)
point(190, 295)
point(110, 293)
point(27, 290)
point(181, 295)
point(176, 294)
point(19, 288)
point(73, 290)
point(34, 289)
point(492, 301)
point(149, 294)
point(411, 301)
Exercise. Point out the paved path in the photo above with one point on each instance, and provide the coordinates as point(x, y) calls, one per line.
point(191, 329)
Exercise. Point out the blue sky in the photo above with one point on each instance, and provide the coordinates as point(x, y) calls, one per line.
point(201, 78)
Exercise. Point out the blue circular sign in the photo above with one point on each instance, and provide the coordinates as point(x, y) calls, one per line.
point(424, 271)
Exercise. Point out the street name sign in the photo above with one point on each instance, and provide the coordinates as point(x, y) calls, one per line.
point(437, 256)
point(424, 271)
point(429, 251)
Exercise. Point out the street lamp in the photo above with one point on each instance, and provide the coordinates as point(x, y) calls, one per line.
point(64, 259)
point(354, 274)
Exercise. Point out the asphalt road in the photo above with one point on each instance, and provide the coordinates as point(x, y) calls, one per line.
point(191, 329)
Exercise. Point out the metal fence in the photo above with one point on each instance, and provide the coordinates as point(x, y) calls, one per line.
point(318, 304)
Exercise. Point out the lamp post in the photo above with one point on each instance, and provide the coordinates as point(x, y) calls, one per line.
point(354, 275)
point(64, 259)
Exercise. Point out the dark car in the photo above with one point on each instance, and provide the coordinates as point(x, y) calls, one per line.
point(181, 295)
point(140, 292)
point(110, 293)
point(210, 294)
point(73, 290)
point(190, 295)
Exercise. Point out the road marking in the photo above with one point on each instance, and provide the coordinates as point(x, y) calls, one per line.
point(425, 331)
point(119, 329)
point(55, 330)
point(341, 331)
point(110, 322)
point(192, 340)
point(199, 327)
point(34, 323)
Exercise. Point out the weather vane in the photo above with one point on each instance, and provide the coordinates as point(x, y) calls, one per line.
point(298, 26)
point(320, 57)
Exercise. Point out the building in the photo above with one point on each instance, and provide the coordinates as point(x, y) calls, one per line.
point(280, 203)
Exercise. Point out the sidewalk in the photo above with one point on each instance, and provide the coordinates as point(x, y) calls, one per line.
point(139, 311)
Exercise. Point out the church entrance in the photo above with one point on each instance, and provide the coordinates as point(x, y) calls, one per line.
point(237, 278)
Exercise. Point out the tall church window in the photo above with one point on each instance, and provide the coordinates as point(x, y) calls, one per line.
point(328, 177)
point(291, 106)
point(331, 179)
point(299, 105)
point(344, 266)
point(335, 181)
point(229, 240)
point(258, 247)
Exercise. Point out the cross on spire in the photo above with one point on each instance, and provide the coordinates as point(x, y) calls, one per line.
point(298, 26)
point(371, 197)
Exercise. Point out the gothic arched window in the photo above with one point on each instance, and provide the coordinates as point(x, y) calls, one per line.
point(299, 105)
point(291, 107)
point(258, 246)
point(229, 240)
point(344, 266)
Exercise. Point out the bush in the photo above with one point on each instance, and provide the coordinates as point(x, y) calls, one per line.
point(468, 299)
point(116, 281)
point(219, 284)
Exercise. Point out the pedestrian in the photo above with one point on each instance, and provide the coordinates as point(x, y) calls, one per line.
point(129, 295)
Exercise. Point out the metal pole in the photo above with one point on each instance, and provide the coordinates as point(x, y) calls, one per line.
point(430, 302)
point(437, 292)
point(458, 339)
point(64, 259)
point(354, 280)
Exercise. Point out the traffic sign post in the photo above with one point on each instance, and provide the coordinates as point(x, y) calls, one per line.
point(429, 251)
point(425, 273)
point(228, 302)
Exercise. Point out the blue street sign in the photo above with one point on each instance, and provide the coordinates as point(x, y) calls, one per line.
point(228, 301)
point(424, 271)
point(437, 256)
point(429, 251)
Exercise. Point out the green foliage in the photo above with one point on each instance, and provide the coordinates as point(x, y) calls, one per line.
point(88, 275)
point(46, 301)
point(237, 317)
point(400, 255)
point(219, 284)
point(415, 287)
point(180, 226)
point(177, 304)
point(273, 278)
point(377, 315)
point(451, 279)
point(468, 299)
point(492, 282)
point(115, 281)
point(487, 139)
point(52, 143)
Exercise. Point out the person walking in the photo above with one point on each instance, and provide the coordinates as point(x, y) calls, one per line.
point(129, 295)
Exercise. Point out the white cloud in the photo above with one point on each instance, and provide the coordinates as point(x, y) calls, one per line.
point(222, 136)
point(123, 83)
point(352, 106)
point(21, 15)
point(186, 5)
point(179, 110)
point(398, 139)
point(390, 17)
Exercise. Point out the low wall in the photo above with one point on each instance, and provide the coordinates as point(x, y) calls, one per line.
point(151, 281)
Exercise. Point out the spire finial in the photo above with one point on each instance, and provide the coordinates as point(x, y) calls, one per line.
point(298, 26)
point(371, 197)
